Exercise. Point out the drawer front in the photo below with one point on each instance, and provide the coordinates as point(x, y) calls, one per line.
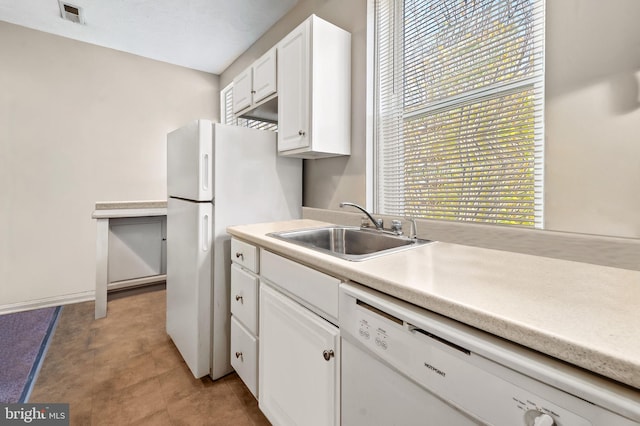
point(244, 297)
point(244, 355)
point(244, 254)
point(314, 289)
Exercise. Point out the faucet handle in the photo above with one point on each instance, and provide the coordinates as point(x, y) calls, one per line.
point(396, 227)
point(414, 228)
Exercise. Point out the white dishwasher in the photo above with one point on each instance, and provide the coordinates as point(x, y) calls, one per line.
point(403, 365)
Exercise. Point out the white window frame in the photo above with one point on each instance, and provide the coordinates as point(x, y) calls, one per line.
point(223, 104)
point(371, 135)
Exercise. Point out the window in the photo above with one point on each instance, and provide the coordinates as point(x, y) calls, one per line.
point(459, 110)
point(227, 117)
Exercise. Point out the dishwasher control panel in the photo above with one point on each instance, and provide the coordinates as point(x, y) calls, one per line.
point(377, 334)
point(439, 356)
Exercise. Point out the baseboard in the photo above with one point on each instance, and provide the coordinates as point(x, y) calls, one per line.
point(137, 282)
point(66, 299)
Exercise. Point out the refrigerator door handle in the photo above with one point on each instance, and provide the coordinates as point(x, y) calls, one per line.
point(205, 233)
point(205, 172)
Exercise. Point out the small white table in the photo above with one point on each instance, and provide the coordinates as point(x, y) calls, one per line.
point(104, 213)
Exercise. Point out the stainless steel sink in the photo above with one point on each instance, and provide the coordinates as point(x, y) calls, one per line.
point(350, 243)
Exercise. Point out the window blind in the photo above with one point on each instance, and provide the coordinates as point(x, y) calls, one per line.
point(226, 106)
point(459, 109)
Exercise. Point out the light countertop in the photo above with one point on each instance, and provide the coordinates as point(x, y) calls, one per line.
point(580, 313)
point(121, 209)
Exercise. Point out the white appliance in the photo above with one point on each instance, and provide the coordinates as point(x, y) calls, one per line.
point(217, 176)
point(402, 365)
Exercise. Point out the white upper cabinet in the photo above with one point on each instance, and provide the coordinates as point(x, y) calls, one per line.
point(256, 85)
point(293, 102)
point(242, 88)
point(314, 91)
point(264, 76)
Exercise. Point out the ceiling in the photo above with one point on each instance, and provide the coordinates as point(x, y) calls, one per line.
point(206, 35)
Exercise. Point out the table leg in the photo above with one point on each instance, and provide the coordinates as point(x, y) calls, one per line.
point(102, 262)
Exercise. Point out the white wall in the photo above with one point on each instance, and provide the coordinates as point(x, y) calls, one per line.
point(79, 124)
point(592, 109)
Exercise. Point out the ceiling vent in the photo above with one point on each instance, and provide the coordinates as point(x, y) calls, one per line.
point(71, 13)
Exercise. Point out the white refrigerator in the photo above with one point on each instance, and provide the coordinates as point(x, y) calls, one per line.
point(217, 176)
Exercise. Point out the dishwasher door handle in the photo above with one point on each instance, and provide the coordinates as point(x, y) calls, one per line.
point(414, 329)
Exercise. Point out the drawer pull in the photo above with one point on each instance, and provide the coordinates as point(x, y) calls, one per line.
point(239, 255)
point(239, 299)
point(239, 356)
point(327, 354)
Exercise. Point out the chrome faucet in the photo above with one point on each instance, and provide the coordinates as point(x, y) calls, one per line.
point(377, 223)
point(414, 228)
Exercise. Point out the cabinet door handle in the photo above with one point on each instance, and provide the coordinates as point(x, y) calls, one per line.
point(327, 354)
point(239, 356)
point(239, 299)
point(239, 256)
point(301, 133)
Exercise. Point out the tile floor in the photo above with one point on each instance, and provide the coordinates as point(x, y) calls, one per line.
point(124, 369)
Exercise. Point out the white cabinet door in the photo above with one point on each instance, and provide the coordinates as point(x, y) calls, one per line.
point(135, 247)
point(244, 355)
point(242, 87)
point(299, 363)
point(244, 297)
point(264, 76)
point(256, 83)
point(293, 89)
point(244, 254)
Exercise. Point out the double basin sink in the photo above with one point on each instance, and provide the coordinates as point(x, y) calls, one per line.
point(349, 243)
